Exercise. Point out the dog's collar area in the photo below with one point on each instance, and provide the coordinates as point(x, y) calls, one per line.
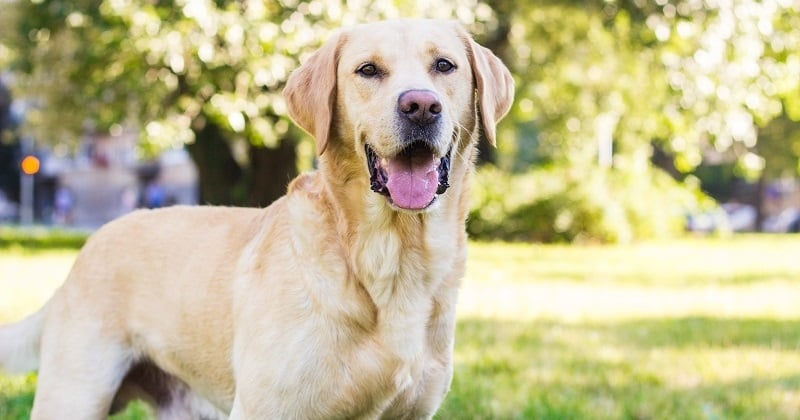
point(405, 179)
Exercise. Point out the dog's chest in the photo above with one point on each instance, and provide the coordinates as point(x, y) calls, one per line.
point(387, 364)
point(373, 301)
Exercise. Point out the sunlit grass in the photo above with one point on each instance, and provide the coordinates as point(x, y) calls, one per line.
point(691, 329)
point(681, 368)
point(688, 262)
point(28, 279)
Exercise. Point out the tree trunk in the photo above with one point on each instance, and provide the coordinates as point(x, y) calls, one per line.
point(664, 161)
point(271, 169)
point(218, 171)
point(758, 202)
point(223, 182)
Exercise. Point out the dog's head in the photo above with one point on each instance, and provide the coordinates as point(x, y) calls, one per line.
point(403, 96)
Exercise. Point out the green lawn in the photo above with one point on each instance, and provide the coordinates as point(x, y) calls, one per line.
point(691, 329)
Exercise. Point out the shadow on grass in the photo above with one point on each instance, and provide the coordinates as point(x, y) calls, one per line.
point(707, 331)
point(687, 368)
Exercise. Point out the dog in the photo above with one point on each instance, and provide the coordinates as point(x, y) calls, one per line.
point(336, 301)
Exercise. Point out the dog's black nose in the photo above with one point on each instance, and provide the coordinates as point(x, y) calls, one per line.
point(419, 106)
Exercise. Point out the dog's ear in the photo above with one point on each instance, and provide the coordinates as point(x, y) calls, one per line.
point(310, 92)
point(494, 84)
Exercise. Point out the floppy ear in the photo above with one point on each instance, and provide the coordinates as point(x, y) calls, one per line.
point(311, 92)
point(494, 85)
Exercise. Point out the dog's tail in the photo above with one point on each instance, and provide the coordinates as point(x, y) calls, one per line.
point(19, 344)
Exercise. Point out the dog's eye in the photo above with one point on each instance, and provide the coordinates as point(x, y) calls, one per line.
point(444, 66)
point(367, 70)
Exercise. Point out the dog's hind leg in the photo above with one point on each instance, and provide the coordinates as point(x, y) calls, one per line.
point(81, 367)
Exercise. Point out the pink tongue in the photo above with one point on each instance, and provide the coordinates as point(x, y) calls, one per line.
point(412, 180)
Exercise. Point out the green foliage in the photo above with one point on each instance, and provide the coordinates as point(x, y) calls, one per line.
point(697, 78)
point(565, 204)
point(583, 83)
point(694, 79)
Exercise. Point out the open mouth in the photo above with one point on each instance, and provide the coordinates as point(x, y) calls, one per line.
point(412, 179)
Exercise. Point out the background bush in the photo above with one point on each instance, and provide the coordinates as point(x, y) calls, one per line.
point(566, 204)
point(41, 238)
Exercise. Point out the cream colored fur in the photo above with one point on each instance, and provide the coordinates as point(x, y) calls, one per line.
point(330, 303)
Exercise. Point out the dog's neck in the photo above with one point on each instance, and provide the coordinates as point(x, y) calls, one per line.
point(388, 245)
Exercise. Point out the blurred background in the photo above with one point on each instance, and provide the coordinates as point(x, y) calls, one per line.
point(635, 122)
point(633, 119)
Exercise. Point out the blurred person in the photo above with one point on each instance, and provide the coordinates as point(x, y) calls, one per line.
point(63, 202)
point(154, 195)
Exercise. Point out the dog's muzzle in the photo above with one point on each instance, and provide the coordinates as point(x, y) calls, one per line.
point(413, 178)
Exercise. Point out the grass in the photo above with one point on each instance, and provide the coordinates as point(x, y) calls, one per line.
point(691, 329)
point(40, 237)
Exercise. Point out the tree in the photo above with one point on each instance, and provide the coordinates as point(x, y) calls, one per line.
point(732, 67)
point(604, 85)
point(685, 74)
point(9, 147)
point(198, 73)
point(5, 110)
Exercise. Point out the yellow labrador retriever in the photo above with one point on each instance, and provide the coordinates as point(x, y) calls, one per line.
point(337, 301)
